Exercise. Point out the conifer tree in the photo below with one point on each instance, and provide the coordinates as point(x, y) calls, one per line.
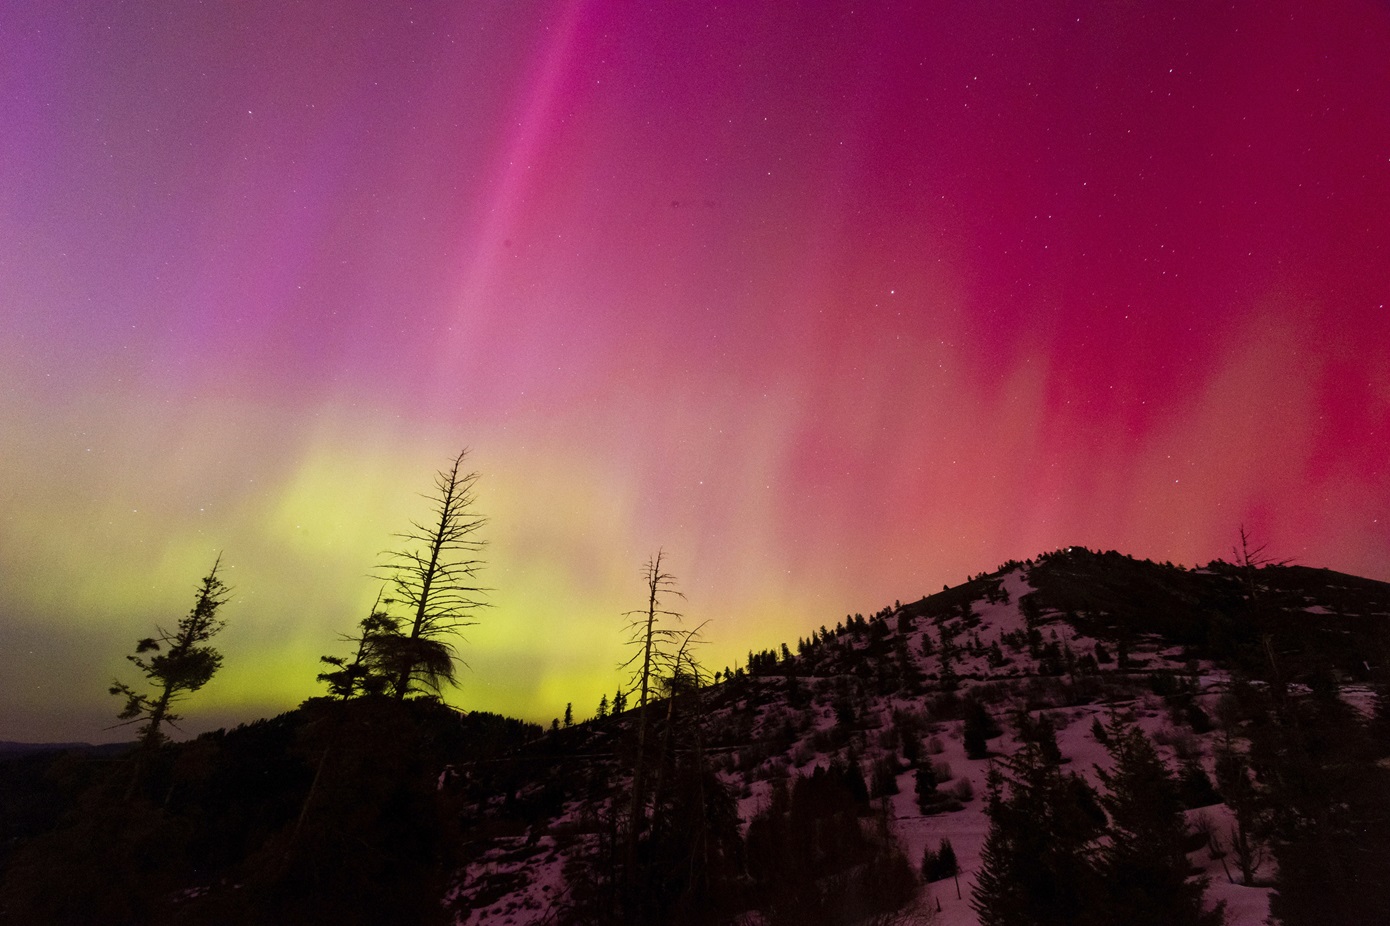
point(885, 776)
point(1039, 731)
point(373, 666)
point(1098, 732)
point(182, 664)
point(796, 695)
point(1195, 787)
point(939, 864)
point(1326, 780)
point(946, 863)
point(925, 788)
point(855, 784)
point(1036, 867)
point(979, 728)
point(1144, 867)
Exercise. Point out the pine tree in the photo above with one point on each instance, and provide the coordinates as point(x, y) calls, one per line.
point(1036, 867)
point(1041, 732)
point(1144, 865)
point(602, 711)
point(925, 787)
point(979, 728)
point(854, 781)
point(373, 666)
point(796, 695)
point(1325, 772)
point(946, 864)
point(1195, 787)
point(184, 662)
point(1234, 778)
point(885, 779)
point(941, 863)
point(1098, 732)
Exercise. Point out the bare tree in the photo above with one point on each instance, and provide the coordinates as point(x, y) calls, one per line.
point(657, 647)
point(683, 676)
point(183, 662)
point(433, 576)
point(1250, 560)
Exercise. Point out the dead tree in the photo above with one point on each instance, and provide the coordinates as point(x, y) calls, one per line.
point(434, 577)
point(655, 650)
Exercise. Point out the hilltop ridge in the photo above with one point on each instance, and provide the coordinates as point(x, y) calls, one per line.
point(1075, 635)
point(823, 782)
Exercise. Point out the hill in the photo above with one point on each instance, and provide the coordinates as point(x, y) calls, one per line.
point(810, 785)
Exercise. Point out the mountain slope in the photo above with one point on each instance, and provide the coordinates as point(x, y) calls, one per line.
point(1076, 637)
point(783, 791)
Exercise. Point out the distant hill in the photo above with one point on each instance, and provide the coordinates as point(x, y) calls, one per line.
point(9, 749)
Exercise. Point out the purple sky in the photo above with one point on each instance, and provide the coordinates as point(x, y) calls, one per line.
point(835, 303)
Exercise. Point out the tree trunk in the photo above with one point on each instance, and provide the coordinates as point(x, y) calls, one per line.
point(636, 820)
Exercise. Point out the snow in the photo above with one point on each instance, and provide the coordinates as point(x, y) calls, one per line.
point(1246, 906)
point(536, 870)
point(537, 865)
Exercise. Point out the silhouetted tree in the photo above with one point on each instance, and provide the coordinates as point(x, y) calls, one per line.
point(1323, 768)
point(433, 576)
point(689, 852)
point(1195, 787)
point(1036, 865)
point(1250, 560)
point(979, 728)
point(924, 785)
point(885, 776)
point(182, 662)
point(1041, 732)
point(654, 652)
point(1143, 866)
point(796, 695)
point(372, 668)
point(1098, 732)
point(939, 864)
point(812, 861)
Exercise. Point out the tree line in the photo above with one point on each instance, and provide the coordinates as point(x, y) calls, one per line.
point(354, 817)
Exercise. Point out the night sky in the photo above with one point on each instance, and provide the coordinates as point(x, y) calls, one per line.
point(836, 303)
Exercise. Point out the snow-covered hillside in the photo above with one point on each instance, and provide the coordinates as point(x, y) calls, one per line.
point(859, 692)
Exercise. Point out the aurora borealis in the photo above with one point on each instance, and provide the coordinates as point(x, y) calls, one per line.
point(835, 303)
